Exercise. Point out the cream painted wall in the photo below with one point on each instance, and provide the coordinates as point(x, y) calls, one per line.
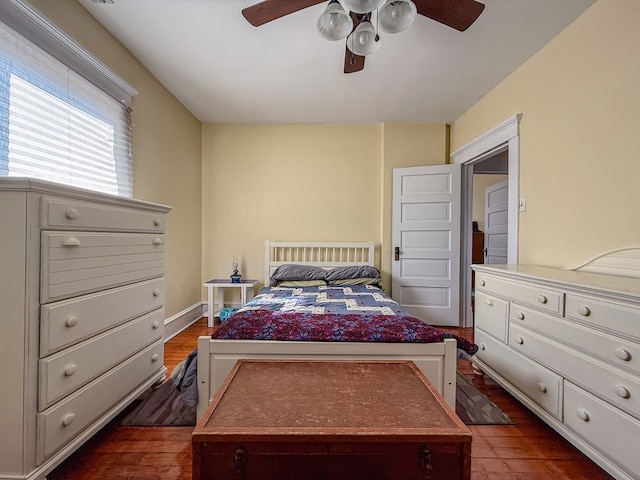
point(480, 183)
point(579, 166)
point(288, 183)
point(304, 183)
point(167, 150)
point(405, 145)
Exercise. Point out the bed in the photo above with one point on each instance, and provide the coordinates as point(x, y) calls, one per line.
point(287, 340)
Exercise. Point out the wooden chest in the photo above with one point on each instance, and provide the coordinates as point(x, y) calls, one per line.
point(329, 420)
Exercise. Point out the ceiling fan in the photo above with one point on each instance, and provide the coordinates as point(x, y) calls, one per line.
point(355, 22)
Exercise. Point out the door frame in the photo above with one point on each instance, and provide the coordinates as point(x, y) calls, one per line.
point(503, 137)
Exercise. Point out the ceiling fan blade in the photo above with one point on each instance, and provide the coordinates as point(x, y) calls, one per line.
point(352, 62)
point(268, 10)
point(458, 14)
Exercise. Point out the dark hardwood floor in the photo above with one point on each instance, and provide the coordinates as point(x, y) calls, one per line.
point(527, 450)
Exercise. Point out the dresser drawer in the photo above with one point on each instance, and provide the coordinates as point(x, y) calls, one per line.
point(544, 299)
point(75, 263)
point(64, 372)
point(603, 426)
point(67, 322)
point(62, 213)
point(614, 350)
point(68, 418)
point(613, 384)
point(620, 317)
point(491, 315)
point(538, 383)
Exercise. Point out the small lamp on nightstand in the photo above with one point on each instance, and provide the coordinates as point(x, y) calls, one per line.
point(235, 276)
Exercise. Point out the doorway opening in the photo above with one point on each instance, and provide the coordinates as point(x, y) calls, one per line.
point(499, 146)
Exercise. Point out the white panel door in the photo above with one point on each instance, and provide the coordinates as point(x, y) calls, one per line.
point(496, 222)
point(426, 242)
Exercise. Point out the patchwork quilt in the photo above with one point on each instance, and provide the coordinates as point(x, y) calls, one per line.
point(358, 313)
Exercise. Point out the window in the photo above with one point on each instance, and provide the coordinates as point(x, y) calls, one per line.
point(58, 126)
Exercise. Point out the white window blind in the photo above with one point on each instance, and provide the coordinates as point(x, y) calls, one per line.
point(56, 125)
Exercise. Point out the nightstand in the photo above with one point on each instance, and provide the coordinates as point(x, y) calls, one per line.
point(215, 291)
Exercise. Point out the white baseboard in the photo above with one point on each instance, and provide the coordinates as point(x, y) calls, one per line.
point(183, 319)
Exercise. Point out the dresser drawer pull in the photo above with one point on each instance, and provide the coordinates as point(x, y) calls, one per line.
point(157, 222)
point(489, 301)
point(155, 325)
point(156, 292)
point(542, 299)
point(155, 357)
point(483, 346)
point(520, 315)
point(70, 370)
point(519, 340)
point(584, 311)
point(71, 321)
point(622, 391)
point(157, 241)
point(482, 283)
point(72, 214)
point(542, 387)
point(623, 354)
point(583, 414)
point(68, 419)
point(71, 242)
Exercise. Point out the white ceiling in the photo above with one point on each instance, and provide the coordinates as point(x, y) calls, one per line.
point(225, 70)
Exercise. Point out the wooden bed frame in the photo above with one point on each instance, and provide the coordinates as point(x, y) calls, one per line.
point(217, 357)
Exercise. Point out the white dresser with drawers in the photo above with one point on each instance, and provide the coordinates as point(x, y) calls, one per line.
point(81, 316)
point(567, 345)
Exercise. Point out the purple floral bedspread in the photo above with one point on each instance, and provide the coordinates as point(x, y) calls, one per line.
point(262, 324)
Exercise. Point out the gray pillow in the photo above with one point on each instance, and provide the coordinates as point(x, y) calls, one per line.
point(353, 271)
point(292, 272)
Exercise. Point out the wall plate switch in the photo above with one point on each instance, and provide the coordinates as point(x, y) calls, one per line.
point(522, 205)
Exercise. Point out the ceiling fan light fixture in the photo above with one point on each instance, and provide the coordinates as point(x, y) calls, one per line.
point(363, 6)
point(364, 40)
point(335, 23)
point(397, 15)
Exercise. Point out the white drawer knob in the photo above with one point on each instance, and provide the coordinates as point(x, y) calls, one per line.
point(155, 357)
point(71, 242)
point(519, 340)
point(72, 214)
point(542, 387)
point(583, 414)
point(71, 321)
point(157, 222)
point(156, 292)
point(68, 419)
point(155, 325)
point(622, 391)
point(623, 354)
point(157, 241)
point(482, 346)
point(489, 301)
point(584, 311)
point(70, 369)
point(483, 283)
point(542, 299)
point(520, 315)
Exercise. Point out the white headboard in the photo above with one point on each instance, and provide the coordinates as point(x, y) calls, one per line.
point(322, 254)
point(622, 261)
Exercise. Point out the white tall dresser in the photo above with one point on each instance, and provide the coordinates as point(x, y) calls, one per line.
point(567, 345)
point(81, 316)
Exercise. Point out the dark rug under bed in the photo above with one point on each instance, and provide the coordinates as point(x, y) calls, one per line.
point(474, 407)
point(164, 407)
